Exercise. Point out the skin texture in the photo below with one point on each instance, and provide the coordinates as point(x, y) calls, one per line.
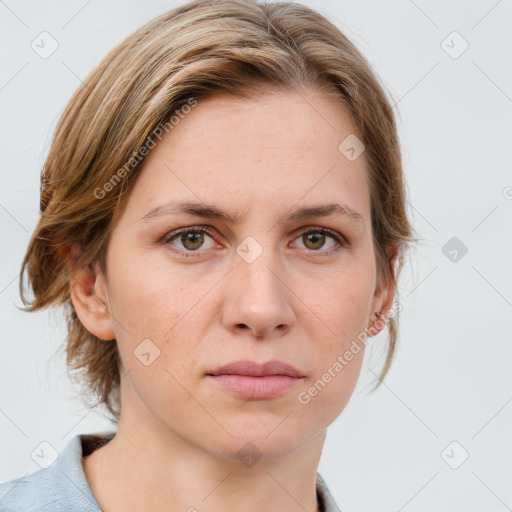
point(299, 301)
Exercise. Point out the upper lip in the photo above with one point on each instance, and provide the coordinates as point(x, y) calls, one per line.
point(257, 370)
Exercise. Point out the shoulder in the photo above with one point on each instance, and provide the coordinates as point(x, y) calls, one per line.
point(39, 491)
point(59, 488)
point(325, 498)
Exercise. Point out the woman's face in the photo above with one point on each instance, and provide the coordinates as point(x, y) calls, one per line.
point(253, 286)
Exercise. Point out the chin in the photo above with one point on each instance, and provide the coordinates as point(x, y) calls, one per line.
point(249, 451)
point(260, 438)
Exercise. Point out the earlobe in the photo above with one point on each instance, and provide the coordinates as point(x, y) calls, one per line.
point(383, 300)
point(89, 297)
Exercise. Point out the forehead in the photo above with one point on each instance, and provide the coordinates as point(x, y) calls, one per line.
point(272, 151)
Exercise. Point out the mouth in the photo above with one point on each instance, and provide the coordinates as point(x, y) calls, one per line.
point(252, 380)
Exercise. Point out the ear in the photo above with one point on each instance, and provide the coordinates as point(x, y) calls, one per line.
point(383, 298)
point(88, 290)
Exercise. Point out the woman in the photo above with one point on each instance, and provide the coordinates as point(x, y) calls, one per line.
point(223, 216)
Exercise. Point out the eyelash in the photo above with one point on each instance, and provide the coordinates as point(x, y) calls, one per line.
point(167, 239)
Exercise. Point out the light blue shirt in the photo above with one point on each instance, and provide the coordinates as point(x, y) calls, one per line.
point(62, 487)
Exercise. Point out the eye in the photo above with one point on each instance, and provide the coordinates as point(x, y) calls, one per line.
point(315, 239)
point(188, 241)
point(191, 239)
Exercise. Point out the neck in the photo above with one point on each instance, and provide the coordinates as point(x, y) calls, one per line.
point(147, 467)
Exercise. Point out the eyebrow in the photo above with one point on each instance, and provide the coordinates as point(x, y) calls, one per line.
point(214, 212)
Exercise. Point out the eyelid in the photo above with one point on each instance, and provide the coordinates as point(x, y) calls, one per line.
point(180, 231)
point(341, 241)
point(338, 237)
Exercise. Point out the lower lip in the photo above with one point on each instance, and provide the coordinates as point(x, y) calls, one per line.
point(248, 386)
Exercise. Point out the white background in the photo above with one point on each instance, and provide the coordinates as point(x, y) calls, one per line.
point(451, 379)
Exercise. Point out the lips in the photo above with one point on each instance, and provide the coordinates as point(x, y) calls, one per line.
point(253, 369)
point(253, 381)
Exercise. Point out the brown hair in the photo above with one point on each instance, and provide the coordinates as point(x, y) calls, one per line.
point(236, 46)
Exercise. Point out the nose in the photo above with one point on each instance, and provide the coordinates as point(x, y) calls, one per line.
point(257, 300)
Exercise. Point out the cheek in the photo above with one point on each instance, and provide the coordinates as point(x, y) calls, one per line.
point(164, 314)
point(339, 307)
point(330, 387)
point(340, 304)
point(151, 301)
